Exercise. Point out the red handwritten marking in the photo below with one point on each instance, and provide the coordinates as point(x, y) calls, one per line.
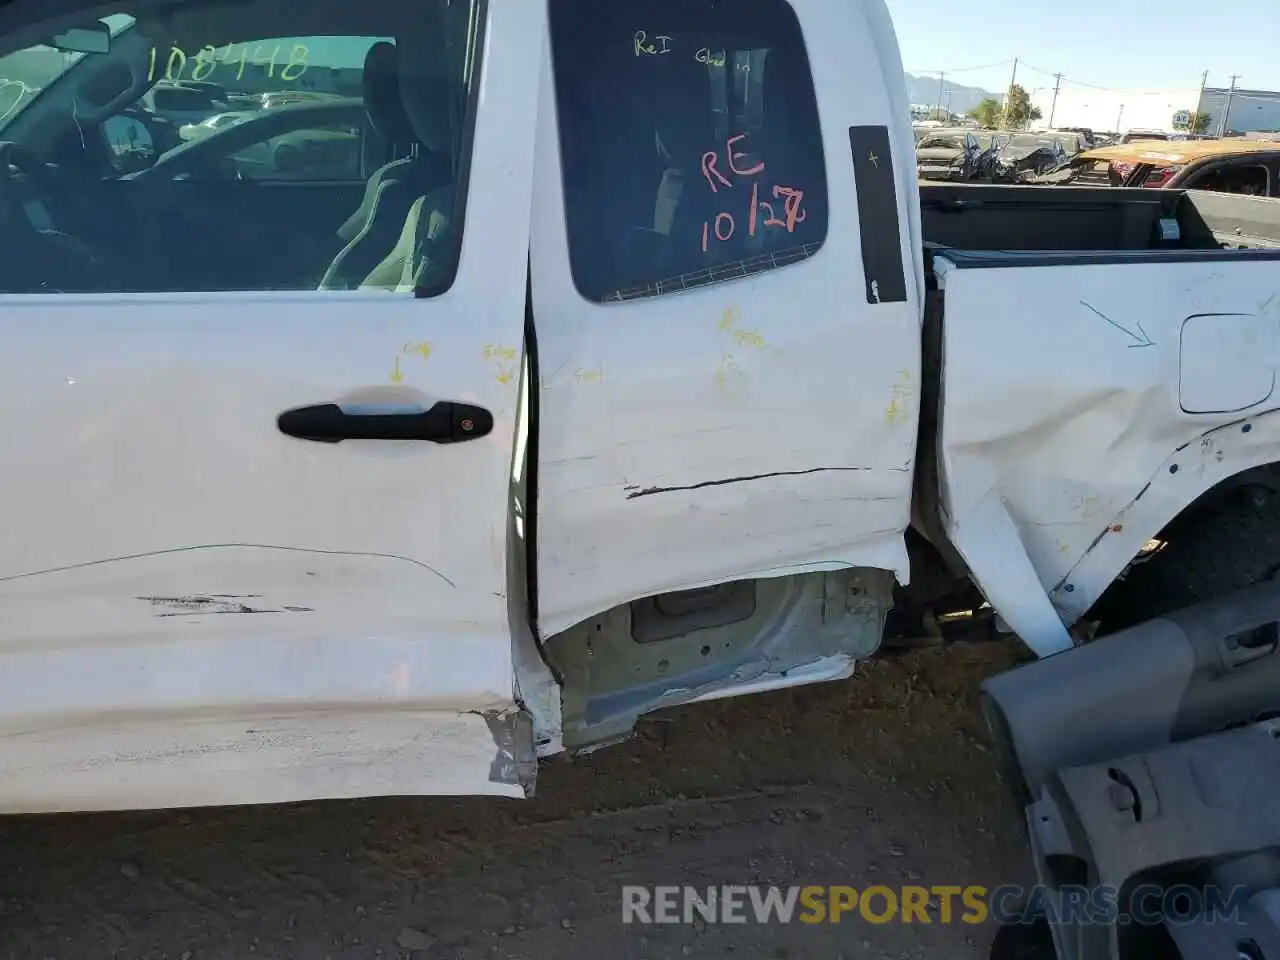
point(728, 149)
point(724, 225)
point(709, 167)
point(791, 205)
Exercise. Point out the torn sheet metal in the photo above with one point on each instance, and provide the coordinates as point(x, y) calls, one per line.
point(1068, 396)
point(515, 763)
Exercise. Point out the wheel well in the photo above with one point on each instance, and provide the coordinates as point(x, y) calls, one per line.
point(1239, 490)
point(1224, 540)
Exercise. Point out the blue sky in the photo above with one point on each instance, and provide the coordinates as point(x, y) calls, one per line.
point(1124, 44)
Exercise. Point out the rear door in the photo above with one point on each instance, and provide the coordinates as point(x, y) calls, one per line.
point(725, 297)
point(194, 575)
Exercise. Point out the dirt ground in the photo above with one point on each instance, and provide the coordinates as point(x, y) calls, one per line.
point(885, 778)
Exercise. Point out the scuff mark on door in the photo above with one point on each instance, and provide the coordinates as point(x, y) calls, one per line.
point(217, 603)
point(633, 492)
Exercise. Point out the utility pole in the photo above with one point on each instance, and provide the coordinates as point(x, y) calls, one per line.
point(1226, 108)
point(942, 84)
point(1057, 83)
point(1119, 117)
point(1195, 115)
point(1013, 80)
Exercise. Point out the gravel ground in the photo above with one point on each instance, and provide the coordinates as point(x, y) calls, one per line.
point(886, 778)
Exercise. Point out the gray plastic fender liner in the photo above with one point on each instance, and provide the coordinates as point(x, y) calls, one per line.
point(1197, 671)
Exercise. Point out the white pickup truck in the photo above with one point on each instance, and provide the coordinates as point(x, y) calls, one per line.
point(630, 368)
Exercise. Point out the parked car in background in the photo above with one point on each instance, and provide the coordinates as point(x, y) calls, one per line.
point(1020, 154)
point(180, 103)
point(1073, 141)
point(281, 97)
point(219, 121)
point(1138, 134)
point(1089, 138)
point(1225, 166)
point(954, 153)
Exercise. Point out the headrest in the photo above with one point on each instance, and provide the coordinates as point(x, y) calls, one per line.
point(382, 102)
point(679, 98)
point(428, 97)
point(428, 104)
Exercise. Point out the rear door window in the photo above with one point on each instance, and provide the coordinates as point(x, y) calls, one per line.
point(689, 140)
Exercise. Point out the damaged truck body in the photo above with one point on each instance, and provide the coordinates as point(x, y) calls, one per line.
point(647, 375)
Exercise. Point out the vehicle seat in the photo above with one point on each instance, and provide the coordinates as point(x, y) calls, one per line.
point(392, 189)
point(425, 248)
point(685, 130)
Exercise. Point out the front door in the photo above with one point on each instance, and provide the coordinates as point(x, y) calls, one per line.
point(254, 541)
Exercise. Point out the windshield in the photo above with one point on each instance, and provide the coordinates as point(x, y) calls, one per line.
point(948, 143)
point(25, 73)
point(1029, 141)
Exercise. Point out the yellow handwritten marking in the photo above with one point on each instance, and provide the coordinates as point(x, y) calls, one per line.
point(492, 352)
point(875, 161)
point(900, 396)
point(590, 375)
point(396, 375)
point(421, 349)
point(743, 338)
point(22, 90)
point(645, 48)
point(503, 360)
point(894, 414)
point(1063, 546)
point(206, 61)
point(705, 55)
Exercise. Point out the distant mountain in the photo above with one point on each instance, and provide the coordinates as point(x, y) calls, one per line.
point(924, 90)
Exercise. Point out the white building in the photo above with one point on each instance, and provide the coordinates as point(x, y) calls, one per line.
point(1250, 110)
point(1112, 110)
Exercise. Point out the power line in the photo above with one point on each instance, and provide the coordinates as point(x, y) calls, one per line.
point(985, 66)
point(1061, 78)
point(1094, 86)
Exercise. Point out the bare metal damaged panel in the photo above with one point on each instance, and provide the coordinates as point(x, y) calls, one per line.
point(515, 763)
point(623, 663)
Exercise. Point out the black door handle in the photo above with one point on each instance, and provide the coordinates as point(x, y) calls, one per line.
point(445, 422)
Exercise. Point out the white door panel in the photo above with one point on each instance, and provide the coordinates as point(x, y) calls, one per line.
point(160, 427)
point(169, 554)
point(733, 425)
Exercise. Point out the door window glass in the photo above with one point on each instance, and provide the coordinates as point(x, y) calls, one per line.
point(1250, 180)
point(251, 146)
point(689, 141)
